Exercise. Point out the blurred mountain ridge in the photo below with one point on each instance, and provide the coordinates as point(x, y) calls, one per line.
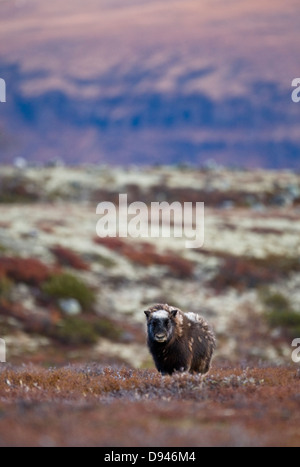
point(123, 85)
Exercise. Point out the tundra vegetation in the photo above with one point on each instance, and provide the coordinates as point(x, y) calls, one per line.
point(94, 405)
point(71, 309)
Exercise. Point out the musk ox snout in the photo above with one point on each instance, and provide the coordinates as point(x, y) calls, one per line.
point(160, 337)
point(160, 325)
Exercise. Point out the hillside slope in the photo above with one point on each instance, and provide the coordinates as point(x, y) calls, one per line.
point(139, 83)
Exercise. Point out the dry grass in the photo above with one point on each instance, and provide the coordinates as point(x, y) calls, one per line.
point(104, 406)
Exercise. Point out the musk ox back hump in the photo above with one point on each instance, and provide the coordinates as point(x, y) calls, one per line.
point(179, 341)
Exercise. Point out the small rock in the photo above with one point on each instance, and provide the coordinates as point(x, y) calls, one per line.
point(70, 306)
point(20, 163)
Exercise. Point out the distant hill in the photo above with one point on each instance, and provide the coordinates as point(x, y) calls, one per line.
point(150, 82)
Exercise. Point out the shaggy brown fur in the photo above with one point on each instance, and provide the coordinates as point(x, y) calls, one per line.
point(179, 341)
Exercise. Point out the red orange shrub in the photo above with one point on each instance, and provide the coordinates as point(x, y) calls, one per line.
point(30, 271)
point(67, 257)
point(145, 254)
point(249, 272)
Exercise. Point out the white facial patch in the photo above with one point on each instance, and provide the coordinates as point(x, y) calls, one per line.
point(160, 314)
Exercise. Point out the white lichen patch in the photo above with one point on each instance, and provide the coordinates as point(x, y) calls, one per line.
point(133, 354)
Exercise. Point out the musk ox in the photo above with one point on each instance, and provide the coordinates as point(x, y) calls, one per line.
point(178, 341)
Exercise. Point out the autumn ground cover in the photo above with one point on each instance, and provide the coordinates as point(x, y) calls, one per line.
point(93, 405)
